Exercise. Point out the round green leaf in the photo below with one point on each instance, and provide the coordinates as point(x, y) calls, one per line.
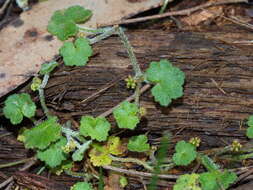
point(62, 27)
point(187, 182)
point(185, 153)
point(81, 186)
point(250, 121)
point(126, 115)
point(43, 134)
point(78, 14)
point(96, 128)
point(168, 81)
point(53, 155)
point(138, 143)
point(249, 132)
point(27, 105)
point(17, 106)
point(77, 53)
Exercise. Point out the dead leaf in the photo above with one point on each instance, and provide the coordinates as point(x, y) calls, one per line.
point(112, 182)
point(202, 16)
point(26, 44)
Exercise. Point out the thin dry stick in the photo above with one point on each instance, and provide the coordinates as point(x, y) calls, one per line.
point(216, 84)
point(24, 168)
point(2, 9)
point(239, 22)
point(6, 182)
point(246, 174)
point(103, 89)
point(15, 163)
point(9, 187)
point(137, 173)
point(176, 13)
point(130, 98)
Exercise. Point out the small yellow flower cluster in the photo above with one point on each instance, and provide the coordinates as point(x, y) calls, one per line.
point(130, 82)
point(236, 146)
point(142, 111)
point(81, 34)
point(195, 141)
point(36, 83)
point(69, 147)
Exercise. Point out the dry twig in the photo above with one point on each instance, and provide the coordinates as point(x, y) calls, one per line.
point(176, 13)
point(8, 181)
point(5, 5)
point(130, 98)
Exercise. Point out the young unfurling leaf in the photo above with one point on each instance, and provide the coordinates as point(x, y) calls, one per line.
point(168, 81)
point(114, 145)
point(100, 156)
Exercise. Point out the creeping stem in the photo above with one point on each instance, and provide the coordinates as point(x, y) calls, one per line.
point(106, 33)
point(130, 52)
point(42, 95)
point(133, 160)
point(92, 30)
point(133, 60)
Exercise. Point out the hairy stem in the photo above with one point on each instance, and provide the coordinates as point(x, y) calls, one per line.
point(93, 30)
point(86, 176)
point(133, 160)
point(137, 93)
point(133, 60)
point(107, 33)
point(138, 174)
point(42, 95)
point(130, 52)
point(238, 157)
